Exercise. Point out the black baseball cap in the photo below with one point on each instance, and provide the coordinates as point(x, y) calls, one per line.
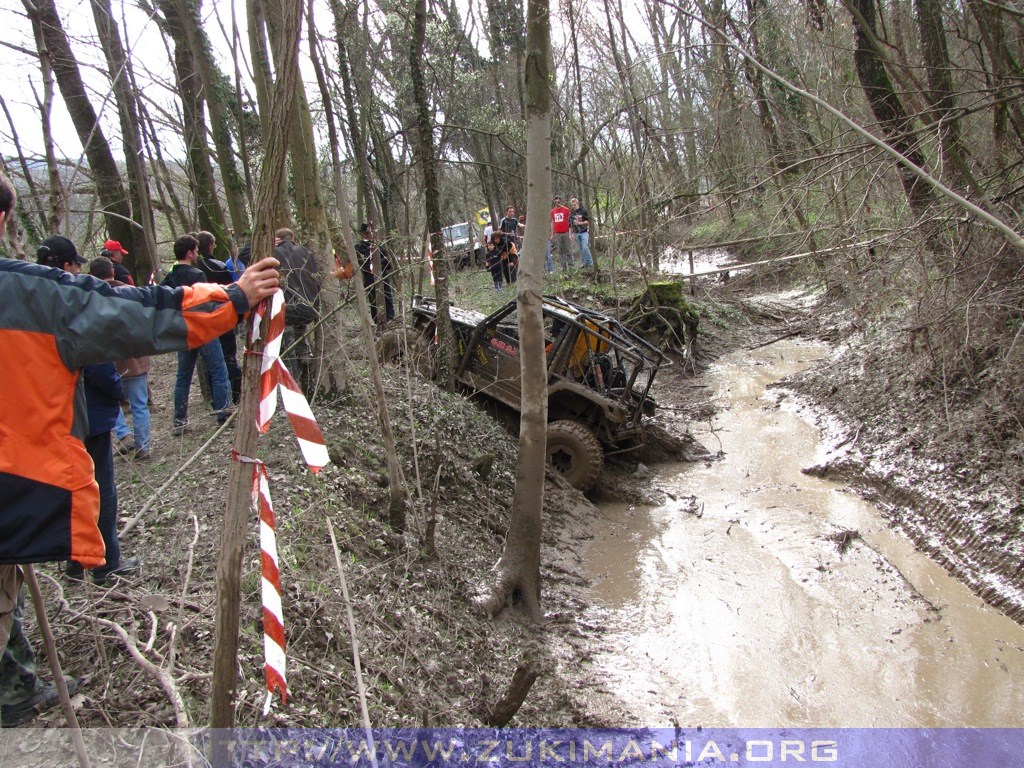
point(58, 250)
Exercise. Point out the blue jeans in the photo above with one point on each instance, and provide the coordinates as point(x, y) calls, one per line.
point(583, 243)
point(102, 452)
point(549, 264)
point(213, 356)
point(136, 389)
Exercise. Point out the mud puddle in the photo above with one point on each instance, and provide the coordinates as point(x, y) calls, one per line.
point(729, 605)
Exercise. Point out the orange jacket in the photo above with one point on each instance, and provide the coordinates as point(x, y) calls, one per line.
point(51, 324)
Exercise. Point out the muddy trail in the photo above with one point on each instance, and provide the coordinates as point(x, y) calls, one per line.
point(754, 594)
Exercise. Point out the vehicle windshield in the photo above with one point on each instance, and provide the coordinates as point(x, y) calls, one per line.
point(455, 233)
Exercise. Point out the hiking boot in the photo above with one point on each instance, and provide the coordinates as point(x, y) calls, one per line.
point(222, 415)
point(12, 715)
point(179, 427)
point(142, 455)
point(74, 571)
point(124, 445)
point(127, 566)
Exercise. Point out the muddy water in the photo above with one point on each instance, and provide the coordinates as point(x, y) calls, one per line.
point(730, 607)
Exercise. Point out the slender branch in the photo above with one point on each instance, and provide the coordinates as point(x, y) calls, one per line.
point(162, 676)
point(58, 675)
point(355, 647)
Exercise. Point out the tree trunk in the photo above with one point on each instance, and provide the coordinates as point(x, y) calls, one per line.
point(423, 151)
point(30, 213)
point(1003, 74)
point(209, 215)
point(517, 576)
point(885, 104)
point(941, 95)
point(142, 259)
point(263, 79)
point(239, 504)
point(331, 376)
point(217, 101)
point(343, 32)
point(109, 184)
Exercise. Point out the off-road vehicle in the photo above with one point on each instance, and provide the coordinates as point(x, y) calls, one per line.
point(599, 375)
point(462, 245)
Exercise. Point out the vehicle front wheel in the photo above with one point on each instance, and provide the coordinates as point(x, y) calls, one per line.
point(396, 347)
point(575, 452)
point(391, 346)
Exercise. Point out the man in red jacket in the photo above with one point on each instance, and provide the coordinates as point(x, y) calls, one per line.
point(560, 234)
point(51, 324)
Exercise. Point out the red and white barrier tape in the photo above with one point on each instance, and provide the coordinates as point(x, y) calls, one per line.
point(275, 376)
point(274, 659)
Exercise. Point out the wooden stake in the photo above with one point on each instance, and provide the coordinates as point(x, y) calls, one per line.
point(58, 675)
point(269, 214)
point(237, 513)
point(360, 688)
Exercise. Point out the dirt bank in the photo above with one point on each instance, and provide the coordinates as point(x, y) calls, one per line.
point(426, 656)
point(936, 464)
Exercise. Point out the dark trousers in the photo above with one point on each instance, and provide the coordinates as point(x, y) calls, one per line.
point(102, 453)
point(371, 295)
point(229, 343)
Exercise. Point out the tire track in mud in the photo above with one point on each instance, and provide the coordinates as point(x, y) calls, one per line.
point(747, 615)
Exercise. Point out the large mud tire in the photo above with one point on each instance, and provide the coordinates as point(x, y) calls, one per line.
point(391, 347)
point(398, 346)
point(575, 452)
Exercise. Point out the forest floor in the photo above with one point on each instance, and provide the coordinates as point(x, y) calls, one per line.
point(428, 658)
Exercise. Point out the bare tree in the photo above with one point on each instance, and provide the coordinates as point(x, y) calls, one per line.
point(142, 254)
point(106, 176)
point(423, 151)
point(208, 214)
point(229, 565)
point(217, 101)
point(517, 573)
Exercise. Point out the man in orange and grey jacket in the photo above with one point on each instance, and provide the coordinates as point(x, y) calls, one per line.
point(51, 324)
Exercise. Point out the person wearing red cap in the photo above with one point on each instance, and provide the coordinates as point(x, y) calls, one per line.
point(113, 250)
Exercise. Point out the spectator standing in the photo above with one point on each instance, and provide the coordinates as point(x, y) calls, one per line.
point(366, 247)
point(103, 395)
point(580, 223)
point(244, 254)
point(216, 271)
point(510, 225)
point(560, 234)
point(48, 496)
point(134, 373)
point(112, 250)
point(235, 267)
point(184, 274)
point(301, 295)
